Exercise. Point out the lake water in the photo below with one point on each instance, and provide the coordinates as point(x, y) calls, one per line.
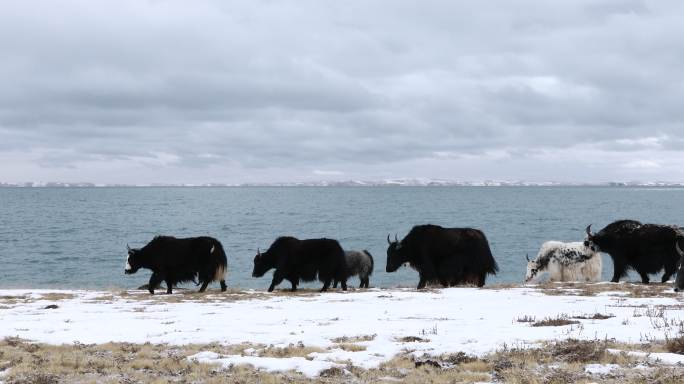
point(76, 237)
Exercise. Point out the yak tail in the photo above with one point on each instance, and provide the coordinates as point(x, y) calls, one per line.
point(371, 260)
point(221, 260)
point(495, 266)
point(678, 238)
point(220, 273)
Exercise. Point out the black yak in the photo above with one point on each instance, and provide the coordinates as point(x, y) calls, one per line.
point(359, 263)
point(448, 256)
point(304, 260)
point(647, 248)
point(198, 259)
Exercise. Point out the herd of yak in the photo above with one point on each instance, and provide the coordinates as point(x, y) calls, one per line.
point(446, 256)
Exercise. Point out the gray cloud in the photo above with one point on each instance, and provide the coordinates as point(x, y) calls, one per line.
point(168, 91)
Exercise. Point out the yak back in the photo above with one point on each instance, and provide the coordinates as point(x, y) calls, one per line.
point(453, 252)
point(184, 259)
point(308, 259)
point(619, 228)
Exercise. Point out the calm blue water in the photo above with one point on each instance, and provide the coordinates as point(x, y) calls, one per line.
point(76, 238)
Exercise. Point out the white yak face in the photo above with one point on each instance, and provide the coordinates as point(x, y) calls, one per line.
point(131, 263)
point(532, 270)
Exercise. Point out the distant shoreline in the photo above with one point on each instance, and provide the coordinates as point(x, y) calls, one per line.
point(351, 185)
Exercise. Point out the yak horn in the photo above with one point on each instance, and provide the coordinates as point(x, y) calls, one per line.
point(258, 252)
point(128, 247)
point(589, 230)
point(527, 257)
point(388, 239)
point(679, 250)
point(395, 238)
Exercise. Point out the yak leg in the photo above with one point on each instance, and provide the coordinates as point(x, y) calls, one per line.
point(326, 285)
point(481, 280)
point(169, 287)
point(277, 279)
point(155, 279)
point(335, 283)
point(422, 282)
point(670, 269)
point(618, 271)
point(204, 286)
point(366, 282)
point(294, 285)
point(363, 281)
point(344, 284)
point(644, 277)
point(223, 285)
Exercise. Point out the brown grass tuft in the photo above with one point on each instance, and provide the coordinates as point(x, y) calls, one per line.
point(557, 321)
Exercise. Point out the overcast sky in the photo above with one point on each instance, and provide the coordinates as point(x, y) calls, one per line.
point(257, 91)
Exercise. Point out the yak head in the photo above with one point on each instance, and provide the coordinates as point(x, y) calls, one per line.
point(263, 262)
point(679, 281)
point(592, 240)
point(533, 269)
point(133, 261)
point(395, 254)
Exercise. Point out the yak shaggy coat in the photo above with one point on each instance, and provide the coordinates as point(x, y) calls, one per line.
point(198, 259)
point(304, 260)
point(359, 263)
point(449, 256)
point(647, 248)
point(565, 262)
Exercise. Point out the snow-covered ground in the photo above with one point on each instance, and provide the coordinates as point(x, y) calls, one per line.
point(474, 321)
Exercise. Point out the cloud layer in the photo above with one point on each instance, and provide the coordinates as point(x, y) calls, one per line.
point(246, 91)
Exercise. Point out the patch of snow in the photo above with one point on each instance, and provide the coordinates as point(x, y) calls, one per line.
point(613, 293)
point(389, 378)
point(309, 368)
point(654, 357)
point(469, 320)
point(600, 369)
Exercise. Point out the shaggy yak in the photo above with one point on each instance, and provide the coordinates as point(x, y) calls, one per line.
point(359, 263)
point(449, 256)
point(647, 248)
point(197, 259)
point(304, 260)
point(565, 262)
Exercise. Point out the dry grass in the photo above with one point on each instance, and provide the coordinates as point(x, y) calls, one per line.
point(353, 339)
point(526, 319)
point(675, 344)
point(558, 362)
point(557, 321)
point(351, 347)
point(631, 290)
point(595, 316)
point(412, 339)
